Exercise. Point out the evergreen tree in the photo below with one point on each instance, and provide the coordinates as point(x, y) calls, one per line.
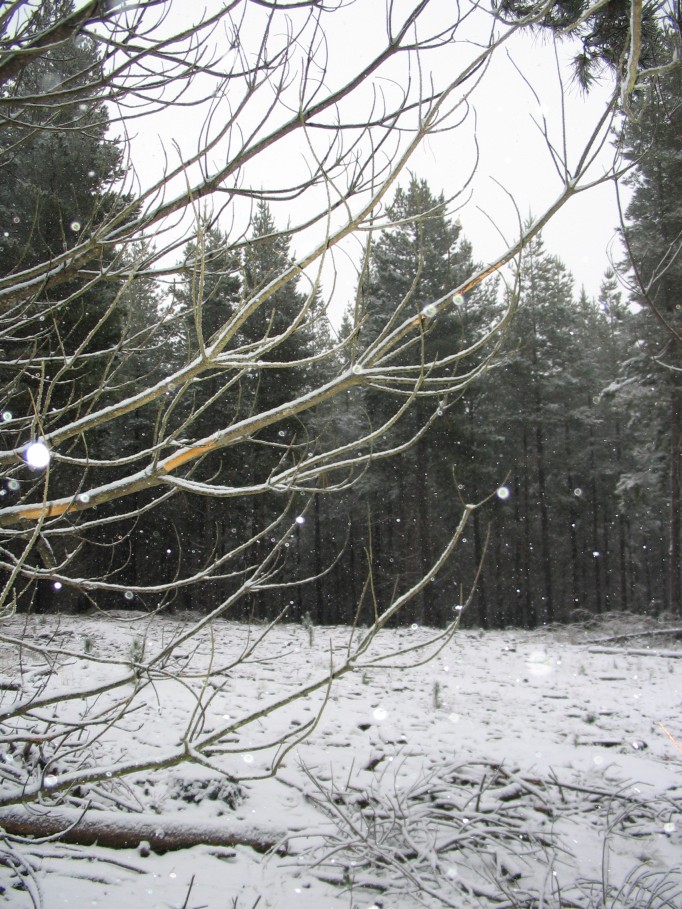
point(216, 291)
point(144, 546)
point(602, 32)
point(545, 427)
point(61, 180)
point(638, 555)
point(61, 175)
point(287, 313)
point(652, 232)
point(287, 319)
point(410, 498)
point(207, 296)
point(535, 378)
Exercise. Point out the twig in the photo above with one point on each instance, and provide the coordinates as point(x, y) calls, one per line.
point(671, 737)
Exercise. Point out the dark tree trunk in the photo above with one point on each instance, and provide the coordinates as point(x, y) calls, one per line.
point(117, 830)
point(544, 523)
point(596, 549)
point(625, 588)
point(482, 610)
point(529, 618)
point(349, 609)
point(572, 520)
point(424, 532)
point(320, 611)
point(674, 566)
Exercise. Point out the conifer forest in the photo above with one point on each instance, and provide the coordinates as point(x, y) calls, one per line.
point(257, 379)
point(341, 451)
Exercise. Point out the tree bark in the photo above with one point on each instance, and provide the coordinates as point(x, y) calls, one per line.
point(424, 531)
point(126, 831)
point(482, 610)
point(597, 550)
point(572, 520)
point(674, 566)
point(529, 618)
point(549, 610)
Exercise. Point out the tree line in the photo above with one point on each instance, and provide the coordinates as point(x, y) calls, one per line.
point(559, 415)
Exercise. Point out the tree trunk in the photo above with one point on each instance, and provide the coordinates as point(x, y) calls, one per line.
point(126, 831)
point(624, 559)
point(544, 520)
point(425, 542)
point(482, 610)
point(674, 566)
point(320, 611)
point(529, 618)
point(596, 548)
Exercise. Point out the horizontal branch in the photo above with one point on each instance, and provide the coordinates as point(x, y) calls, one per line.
point(153, 476)
point(61, 31)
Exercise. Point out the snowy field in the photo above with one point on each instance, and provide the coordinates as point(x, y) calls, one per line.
point(514, 769)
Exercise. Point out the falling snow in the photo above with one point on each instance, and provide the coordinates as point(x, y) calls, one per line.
point(37, 455)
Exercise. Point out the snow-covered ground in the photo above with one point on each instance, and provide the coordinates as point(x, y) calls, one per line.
point(513, 769)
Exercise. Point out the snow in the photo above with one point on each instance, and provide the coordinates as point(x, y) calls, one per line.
point(513, 763)
point(37, 455)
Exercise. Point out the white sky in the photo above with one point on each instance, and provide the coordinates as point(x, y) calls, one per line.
point(514, 154)
point(514, 161)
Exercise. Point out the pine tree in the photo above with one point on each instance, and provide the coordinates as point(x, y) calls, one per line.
point(602, 32)
point(627, 418)
point(287, 313)
point(410, 498)
point(652, 233)
point(61, 175)
point(207, 296)
point(218, 288)
point(542, 429)
point(539, 341)
point(62, 348)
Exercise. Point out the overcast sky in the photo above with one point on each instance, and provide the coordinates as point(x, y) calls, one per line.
point(515, 174)
point(514, 158)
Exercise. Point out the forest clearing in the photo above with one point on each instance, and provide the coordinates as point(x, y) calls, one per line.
point(514, 768)
point(340, 454)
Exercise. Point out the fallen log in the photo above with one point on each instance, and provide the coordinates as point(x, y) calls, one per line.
point(675, 633)
point(118, 830)
point(10, 684)
point(629, 651)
